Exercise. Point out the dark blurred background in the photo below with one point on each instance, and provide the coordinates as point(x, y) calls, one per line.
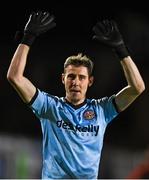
point(73, 34)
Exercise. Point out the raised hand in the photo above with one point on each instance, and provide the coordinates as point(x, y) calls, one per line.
point(107, 32)
point(37, 24)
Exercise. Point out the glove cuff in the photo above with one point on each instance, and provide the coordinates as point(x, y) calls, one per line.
point(28, 39)
point(122, 51)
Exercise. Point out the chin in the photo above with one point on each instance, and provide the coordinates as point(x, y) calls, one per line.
point(76, 100)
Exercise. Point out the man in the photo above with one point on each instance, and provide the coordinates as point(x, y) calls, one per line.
point(73, 126)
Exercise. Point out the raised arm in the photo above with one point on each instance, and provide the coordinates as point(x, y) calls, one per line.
point(15, 74)
point(37, 24)
point(108, 33)
point(135, 84)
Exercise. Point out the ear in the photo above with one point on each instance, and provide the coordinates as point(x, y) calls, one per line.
point(63, 77)
point(91, 80)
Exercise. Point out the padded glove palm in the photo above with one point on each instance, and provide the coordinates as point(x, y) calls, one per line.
point(108, 33)
point(37, 24)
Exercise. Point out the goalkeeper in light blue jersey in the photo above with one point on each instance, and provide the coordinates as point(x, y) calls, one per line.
point(73, 126)
point(72, 134)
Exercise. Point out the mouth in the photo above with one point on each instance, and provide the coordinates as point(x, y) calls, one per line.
point(75, 91)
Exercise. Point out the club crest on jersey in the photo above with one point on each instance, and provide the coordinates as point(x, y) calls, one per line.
point(88, 115)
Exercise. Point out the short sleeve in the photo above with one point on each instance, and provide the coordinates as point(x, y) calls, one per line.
point(109, 108)
point(40, 104)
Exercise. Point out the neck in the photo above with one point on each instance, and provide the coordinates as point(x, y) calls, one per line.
point(75, 103)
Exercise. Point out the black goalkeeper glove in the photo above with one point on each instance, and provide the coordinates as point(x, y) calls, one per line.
point(108, 33)
point(37, 24)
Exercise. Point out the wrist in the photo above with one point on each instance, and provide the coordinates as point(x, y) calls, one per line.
point(122, 52)
point(28, 39)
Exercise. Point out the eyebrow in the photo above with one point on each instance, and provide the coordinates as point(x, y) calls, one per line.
point(69, 74)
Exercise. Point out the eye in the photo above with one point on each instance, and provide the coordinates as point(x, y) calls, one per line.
point(71, 76)
point(82, 77)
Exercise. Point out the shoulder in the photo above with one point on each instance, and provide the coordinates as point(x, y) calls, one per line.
point(45, 97)
point(102, 100)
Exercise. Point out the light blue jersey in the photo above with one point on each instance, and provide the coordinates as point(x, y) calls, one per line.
point(72, 138)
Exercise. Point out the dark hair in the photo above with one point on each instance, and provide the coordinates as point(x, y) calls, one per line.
point(80, 60)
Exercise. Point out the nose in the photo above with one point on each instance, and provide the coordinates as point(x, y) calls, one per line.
point(76, 81)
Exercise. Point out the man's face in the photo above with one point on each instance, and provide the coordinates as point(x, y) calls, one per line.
point(76, 81)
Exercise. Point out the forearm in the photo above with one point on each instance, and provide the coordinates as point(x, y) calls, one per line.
point(15, 76)
point(135, 85)
point(18, 63)
point(132, 74)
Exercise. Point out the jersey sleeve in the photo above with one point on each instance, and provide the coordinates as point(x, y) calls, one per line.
point(40, 104)
point(109, 108)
